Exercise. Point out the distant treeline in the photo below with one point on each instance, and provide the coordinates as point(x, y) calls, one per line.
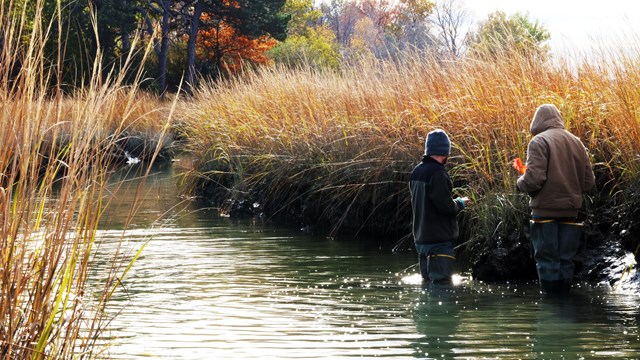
point(192, 39)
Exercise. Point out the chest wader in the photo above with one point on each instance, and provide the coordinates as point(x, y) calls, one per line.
point(555, 243)
point(436, 261)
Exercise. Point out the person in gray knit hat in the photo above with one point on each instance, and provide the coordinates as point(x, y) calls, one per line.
point(558, 172)
point(435, 224)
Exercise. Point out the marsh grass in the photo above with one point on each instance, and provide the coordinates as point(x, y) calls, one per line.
point(335, 149)
point(57, 154)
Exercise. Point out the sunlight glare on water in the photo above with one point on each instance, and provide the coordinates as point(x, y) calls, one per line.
point(208, 287)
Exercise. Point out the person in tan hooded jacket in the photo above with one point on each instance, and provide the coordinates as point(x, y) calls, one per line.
point(558, 172)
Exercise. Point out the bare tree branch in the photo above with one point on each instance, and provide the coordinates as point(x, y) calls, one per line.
point(450, 18)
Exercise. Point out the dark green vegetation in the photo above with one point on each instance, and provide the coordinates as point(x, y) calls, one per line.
point(98, 38)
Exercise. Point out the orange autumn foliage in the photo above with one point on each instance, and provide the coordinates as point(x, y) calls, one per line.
point(223, 45)
point(234, 4)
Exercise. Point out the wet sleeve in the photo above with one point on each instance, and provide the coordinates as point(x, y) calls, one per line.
point(440, 194)
point(536, 175)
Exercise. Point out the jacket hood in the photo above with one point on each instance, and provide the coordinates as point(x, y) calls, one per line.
point(547, 116)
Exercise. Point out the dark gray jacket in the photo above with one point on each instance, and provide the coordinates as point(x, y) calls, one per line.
point(434, 210)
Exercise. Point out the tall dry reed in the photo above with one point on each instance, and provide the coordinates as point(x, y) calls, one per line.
point(337, 147)
point(57, 154)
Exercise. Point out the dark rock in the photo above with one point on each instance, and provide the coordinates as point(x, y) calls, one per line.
point(507, 260)
point(240, 209)
point(608, 264)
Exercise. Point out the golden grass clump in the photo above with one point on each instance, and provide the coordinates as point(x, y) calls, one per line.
point(56, 157)
point(340, 145)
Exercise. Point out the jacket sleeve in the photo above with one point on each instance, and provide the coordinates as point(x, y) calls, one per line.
point(536, 174)
point(440, 194)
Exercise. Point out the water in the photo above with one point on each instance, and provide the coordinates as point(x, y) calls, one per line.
point(208, 287)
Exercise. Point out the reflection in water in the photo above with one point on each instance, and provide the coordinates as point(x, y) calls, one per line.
point(518, 322)
point(437, 318)
point(588, 323)
point(209, 287)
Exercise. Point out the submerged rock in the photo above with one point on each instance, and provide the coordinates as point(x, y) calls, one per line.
point(609, 264)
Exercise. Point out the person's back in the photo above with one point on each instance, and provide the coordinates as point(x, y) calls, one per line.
point(434, 214)
point(557, 174)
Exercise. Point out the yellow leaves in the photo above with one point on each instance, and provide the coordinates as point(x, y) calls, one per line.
point(420, 8)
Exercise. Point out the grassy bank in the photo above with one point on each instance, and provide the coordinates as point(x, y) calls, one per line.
point(334, 150)
point(57, 154)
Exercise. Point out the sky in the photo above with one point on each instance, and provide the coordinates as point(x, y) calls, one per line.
point(575, 25)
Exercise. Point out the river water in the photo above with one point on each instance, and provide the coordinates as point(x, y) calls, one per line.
point(207, 287)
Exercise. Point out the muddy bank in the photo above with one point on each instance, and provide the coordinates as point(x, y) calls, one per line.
point(500, 253)
point(346, 208)
point(602, 259)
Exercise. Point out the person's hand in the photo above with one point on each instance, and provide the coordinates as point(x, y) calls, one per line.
point(464, 201)
point(519, 166)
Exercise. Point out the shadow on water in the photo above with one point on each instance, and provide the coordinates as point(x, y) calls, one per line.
point(210, 287)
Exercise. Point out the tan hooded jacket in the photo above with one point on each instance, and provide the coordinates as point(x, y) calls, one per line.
point(558, 167)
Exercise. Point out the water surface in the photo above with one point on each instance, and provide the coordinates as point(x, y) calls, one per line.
point(208, 287)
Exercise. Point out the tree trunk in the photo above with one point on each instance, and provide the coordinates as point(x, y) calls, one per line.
point(191, 47)
point(164, 51)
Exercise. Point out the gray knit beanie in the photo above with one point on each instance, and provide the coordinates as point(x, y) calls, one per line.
point(437, 143)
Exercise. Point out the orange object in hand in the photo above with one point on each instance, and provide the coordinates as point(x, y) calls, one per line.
point(518, 165)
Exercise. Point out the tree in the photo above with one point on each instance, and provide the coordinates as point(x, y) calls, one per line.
point(303, 16)
point(375, 31)
point(252, 18)
point(164, 9)
point(380, 27)
point(500, 34)
point(363, 26)
point(449, 19)
point(341, 17)
point(194, 28)
point(309, 42)
point(116, 20)
point(413, 22)
point(226, 49)
point(318, 48)
point(79, 33)
point(365, 39)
